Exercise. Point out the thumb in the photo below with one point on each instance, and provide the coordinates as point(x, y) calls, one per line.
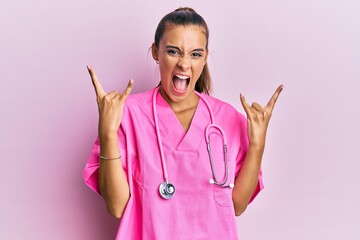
point(128, 89)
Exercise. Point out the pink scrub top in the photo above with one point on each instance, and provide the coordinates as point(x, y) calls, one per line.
point(198, 209)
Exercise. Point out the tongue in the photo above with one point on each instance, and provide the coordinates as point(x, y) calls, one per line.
point(180, 84)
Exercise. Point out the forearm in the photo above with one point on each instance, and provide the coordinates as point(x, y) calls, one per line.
point(113, 184)
point(247, 179)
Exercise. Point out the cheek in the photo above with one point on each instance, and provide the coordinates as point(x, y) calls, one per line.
point(166, 70)
point(167, 66)
point(198, 68)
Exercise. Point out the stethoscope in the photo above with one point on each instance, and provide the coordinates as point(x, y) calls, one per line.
point(166, 188)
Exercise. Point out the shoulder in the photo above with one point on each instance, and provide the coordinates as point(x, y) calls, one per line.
point(139, 105)
point(139, 99)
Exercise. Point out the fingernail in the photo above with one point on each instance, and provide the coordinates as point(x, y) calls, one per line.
point(131, 81)
point(88, 67)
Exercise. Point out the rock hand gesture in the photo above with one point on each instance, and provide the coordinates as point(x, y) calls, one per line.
point(258, 118)
point(110, 105)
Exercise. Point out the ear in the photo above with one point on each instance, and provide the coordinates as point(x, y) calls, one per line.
point(154, 52)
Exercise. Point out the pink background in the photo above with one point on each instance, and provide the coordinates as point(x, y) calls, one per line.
point(49, 118)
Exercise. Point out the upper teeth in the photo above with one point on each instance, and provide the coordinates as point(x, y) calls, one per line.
point(181, 77)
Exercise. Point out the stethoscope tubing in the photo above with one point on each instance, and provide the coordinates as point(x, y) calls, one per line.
point(157, 129)
point(207, 137)
point(164, 186)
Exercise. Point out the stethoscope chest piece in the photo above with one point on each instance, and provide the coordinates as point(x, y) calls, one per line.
point(167, 190)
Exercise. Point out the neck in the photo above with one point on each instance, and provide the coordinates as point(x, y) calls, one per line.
point(188, 103)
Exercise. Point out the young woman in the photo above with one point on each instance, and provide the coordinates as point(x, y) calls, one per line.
point(174, 162)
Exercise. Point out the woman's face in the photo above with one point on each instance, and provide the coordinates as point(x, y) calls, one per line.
point(182, 55)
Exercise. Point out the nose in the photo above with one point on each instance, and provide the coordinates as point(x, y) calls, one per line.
point(184, 63)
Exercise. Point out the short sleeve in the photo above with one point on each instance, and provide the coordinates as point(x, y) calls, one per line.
point(90, 173)
point(244, 145)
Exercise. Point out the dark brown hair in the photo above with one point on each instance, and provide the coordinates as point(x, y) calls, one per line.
point(185, 17)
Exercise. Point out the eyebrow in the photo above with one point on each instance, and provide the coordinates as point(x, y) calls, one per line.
point(197, 49)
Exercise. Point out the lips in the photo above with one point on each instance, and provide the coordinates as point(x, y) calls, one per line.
point(180, 83)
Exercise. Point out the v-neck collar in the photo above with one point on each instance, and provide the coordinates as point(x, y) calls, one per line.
point(173, 133)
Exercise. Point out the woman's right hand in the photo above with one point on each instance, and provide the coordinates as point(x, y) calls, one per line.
point(110, 106)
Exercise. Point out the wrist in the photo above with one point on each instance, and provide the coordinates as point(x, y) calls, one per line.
point(258, 148)
point(109, 146)
point(108, 136)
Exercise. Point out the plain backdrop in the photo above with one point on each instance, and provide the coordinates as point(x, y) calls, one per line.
point(49, 115)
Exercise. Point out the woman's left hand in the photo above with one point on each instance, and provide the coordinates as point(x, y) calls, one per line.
point(258, 118)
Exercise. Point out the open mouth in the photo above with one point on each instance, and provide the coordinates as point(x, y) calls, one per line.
point(180, 83)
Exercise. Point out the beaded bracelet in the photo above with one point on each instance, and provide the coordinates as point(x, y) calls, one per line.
point(104, 158)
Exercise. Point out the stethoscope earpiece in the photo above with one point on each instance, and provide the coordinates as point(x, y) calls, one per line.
point(167, 190)
point(212, 181)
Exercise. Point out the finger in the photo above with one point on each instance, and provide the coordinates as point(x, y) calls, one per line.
point(128, 89)
point(112, 95)
point(96, 83)
point(257, 107)
point(245, 104)
point(273, 99)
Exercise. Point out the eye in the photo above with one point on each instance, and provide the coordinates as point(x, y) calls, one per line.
point(196, 55)
point(173, 52)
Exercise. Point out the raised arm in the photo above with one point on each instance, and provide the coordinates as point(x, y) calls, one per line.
point(113, 185)
point(258, 118)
